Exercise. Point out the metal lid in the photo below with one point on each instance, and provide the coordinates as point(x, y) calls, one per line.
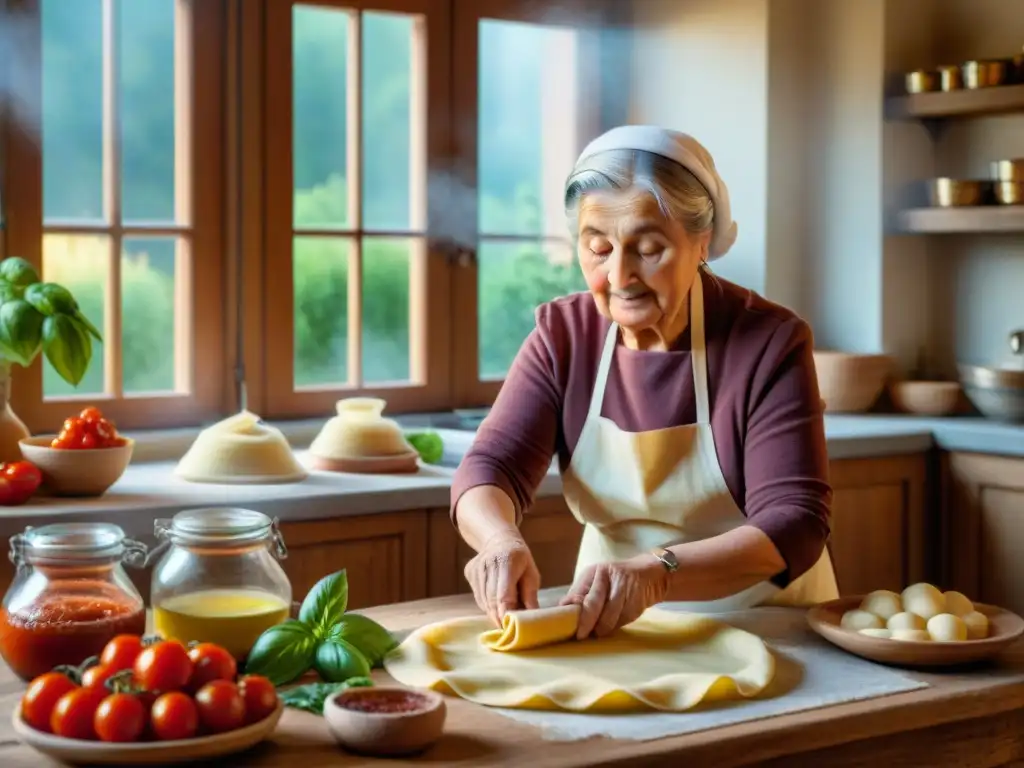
point(220, 526)
point(75, 542)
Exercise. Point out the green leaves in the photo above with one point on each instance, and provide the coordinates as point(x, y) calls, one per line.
point(311, 697)
point(428, 445)
point(283, 653)
point(18, 272)
point(338, 645)
point(67, 346)
point(21, 331)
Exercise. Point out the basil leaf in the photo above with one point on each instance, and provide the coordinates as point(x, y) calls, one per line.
point(67, 347)
point(51, 299)
point(283, 653)
point(337, 661)
point(312, 696)
point(428, 445)
point(18, 272)
point(8, 292)
point(21, 331)
point(366, 635)
point(326, 603)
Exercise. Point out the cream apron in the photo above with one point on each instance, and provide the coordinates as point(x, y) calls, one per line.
point(637, 490)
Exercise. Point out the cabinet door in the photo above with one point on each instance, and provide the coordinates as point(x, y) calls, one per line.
point(879, 522)
point(385, 556)
point(983, 515)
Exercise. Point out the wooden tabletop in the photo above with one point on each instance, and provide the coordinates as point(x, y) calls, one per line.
point(962, 718)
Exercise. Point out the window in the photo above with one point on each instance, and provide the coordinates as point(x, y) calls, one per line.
point(112, 205)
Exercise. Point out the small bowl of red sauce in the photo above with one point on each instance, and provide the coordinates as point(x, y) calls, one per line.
point(385, 721)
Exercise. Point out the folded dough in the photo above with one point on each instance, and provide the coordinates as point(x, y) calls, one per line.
point(663, 661)
point(522, 630)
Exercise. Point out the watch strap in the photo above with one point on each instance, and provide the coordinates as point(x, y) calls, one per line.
point(666, 558)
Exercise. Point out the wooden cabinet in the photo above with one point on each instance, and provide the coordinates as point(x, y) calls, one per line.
point(983, 528)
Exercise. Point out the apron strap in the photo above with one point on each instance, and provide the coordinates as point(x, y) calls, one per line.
point(597, 396)
point(698, 351)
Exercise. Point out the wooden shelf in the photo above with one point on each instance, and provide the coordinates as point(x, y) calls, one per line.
point(963, 103)
point(988, 218)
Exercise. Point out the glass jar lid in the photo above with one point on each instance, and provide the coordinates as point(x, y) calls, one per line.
point(75, 542)
point(220, 526)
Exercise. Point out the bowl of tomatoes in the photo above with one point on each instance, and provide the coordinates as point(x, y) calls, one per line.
point(84, 459)
point(147, 702)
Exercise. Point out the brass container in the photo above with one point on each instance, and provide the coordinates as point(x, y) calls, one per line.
point(985, 73)
point(950, 78)
point(956, 193)
point(921, 81)
point(1008, 170)
point(1009, 192)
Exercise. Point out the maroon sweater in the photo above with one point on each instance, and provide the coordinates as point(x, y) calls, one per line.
point(766, 413)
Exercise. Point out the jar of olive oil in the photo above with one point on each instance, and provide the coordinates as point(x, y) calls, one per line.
point(218, 578)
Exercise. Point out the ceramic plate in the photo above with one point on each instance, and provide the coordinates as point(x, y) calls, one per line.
point(1004, 629)
point(79, 752)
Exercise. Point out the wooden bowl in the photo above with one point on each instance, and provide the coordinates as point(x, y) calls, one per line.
point(850, 383)
point(386, 734)
point(77, 471)
point(1004, 629)
point(80, 752)
point(926, 398)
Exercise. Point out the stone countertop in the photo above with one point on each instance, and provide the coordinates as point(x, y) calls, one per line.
point(149, 490)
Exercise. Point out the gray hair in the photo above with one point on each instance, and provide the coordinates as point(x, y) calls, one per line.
point(678, 193)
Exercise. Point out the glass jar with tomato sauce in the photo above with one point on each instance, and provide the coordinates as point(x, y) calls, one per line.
point(70, 595)
point(218, 579)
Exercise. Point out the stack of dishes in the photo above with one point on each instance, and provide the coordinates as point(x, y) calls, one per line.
point(240, 449)
point(360, 439)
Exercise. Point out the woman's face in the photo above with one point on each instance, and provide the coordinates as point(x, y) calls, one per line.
point(638, 264)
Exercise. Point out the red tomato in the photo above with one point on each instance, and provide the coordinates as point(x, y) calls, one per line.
point(120, 717)
point(174, 717)
point(73, 716)
point(89, 441)
point(97, 676)
point(91, 414)
point(210, 662)
point(42, 696)
point(164, 667)
point(18, 481)
point(121, 652)
point(105, 431)
point(259, 695)
point(220, 706)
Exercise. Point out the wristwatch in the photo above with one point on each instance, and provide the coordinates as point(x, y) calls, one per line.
point(666, 558)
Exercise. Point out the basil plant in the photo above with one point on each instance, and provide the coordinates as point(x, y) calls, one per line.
point(42, 316)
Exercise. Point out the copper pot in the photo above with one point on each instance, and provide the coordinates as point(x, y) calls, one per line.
point(985, 73)
point(1008, 170)
point(950, 78)
point(921, 81)
point(955, 193)
point(1009, 192)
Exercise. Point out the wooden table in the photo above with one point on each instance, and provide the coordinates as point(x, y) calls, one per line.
point(962, 719)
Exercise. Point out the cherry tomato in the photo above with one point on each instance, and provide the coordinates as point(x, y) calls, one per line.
point(120, 717)
point(259, 695)
point(92, 413)
point(105, 431)
point(221, 707)
point(97, 676)
point(210, 662)
point(18, 481)
point(121, 652)
point(73, 716)
point(89, 441)
point(42, 696)
point(164, 667)
point(174, 716)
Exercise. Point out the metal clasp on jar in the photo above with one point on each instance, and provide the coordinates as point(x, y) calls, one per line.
point(280, 549)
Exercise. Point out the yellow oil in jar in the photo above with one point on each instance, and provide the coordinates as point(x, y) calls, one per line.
point(231, 618)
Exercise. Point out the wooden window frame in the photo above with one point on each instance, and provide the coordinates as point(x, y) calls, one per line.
point(200, 369)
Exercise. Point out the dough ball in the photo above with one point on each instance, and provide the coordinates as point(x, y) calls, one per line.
point(905, 621)
point(857, 620)
point(947, 628)
point(911, 635)
point(876, 632)
point(924, 600)
point(958, 604)
point(882, 603)
point(977, 625)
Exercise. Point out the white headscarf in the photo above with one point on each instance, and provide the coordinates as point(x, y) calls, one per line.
point(689, 153)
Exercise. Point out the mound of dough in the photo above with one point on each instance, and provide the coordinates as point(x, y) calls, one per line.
point(883, 603)
point(905, 621)
point(947, 628)
point(876, 632)
point(924, 600)
point(240, 449)
point(911, 635)
point(977, 625)
point(958, 604)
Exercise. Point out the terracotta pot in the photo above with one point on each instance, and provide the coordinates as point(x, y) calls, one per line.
point(12, 429)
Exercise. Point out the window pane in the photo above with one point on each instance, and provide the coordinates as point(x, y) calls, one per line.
point(146, 76)
point(386, 308)
point(80, 264)
point(72, 109)
point(387, 120)
point(321, 310)
point(526, 132)
point(147, 314)
point(515, 278)
point(320, 67)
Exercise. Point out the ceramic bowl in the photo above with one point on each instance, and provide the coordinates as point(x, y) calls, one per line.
point(385, 721)
point(926, 398)
point(77, 471)
point(850, 383)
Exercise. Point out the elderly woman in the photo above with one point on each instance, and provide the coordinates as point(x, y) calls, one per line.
point(684, 411)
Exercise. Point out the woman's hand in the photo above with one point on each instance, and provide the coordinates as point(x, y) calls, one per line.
point(612, 595)
point(503, 577)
